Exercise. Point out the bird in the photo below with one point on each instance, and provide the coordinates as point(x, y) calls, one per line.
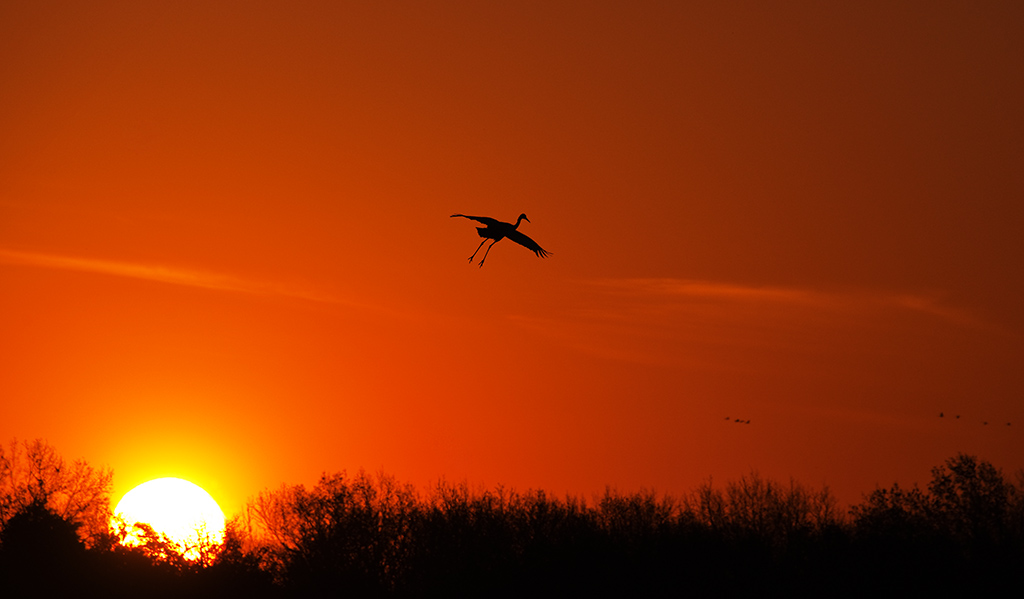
point(497, 230)
point(941, 414)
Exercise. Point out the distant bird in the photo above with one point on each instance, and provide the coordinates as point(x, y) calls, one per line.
point(940, 415)
point(958, 416)
point(497, 231)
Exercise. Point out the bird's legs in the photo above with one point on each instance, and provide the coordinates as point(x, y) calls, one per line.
point(487, 251)
point(477, 250)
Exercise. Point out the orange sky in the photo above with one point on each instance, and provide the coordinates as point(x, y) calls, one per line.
point(226, 252)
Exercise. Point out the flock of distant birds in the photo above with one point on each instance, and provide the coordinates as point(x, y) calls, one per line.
point(957, 417)
point(941, 415)
point(497, 230)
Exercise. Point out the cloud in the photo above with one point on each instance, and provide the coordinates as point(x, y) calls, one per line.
point(165, 274)
point(718, 324)
point(767, 298)
point(707, 290)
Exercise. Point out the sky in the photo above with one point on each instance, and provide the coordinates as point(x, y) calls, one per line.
point(226, 251)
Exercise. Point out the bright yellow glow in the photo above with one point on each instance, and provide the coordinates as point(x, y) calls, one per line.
point(183, 511)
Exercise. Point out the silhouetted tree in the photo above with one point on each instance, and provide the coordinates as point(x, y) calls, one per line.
point(895, 513)
point(33, 472)
point(968, 502)
point(46, 504)
point(40, 553)
point(960, 535)
point(346, 532)
point(971, 500)
point(762, 509)
point(370, 536)
point(773, 532)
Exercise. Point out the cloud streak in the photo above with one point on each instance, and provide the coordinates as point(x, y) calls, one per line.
point(683, 291)
point(164, 274)
point(718, 325)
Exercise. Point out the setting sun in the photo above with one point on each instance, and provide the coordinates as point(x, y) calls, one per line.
point(174, 507)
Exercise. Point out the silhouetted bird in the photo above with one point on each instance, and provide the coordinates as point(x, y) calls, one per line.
point(498, 230)
point(958, 416)
point(940, 414)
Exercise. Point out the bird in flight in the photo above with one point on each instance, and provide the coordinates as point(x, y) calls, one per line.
point(497, 230)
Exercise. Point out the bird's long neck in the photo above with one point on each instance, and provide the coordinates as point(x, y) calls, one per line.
point(518, 220)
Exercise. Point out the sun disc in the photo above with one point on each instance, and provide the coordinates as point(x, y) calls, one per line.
point(177, 508)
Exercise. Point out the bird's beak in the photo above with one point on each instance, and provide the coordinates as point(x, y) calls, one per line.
point(526, 219)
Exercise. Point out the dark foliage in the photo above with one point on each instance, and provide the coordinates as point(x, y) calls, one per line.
point(40, 553)
point(32, 472)
point(964, 533)
point(369, 536)
point(373, 537)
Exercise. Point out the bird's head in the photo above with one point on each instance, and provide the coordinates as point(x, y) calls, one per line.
point(523, 217)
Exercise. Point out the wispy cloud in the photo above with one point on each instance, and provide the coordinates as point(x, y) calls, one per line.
point(165, 274)
point(719, 325)
point(768, 297)
point(707, 289)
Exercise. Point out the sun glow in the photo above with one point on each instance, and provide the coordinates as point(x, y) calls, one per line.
point(184, 512)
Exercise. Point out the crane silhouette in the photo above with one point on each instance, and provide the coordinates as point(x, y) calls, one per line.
point(497, 230)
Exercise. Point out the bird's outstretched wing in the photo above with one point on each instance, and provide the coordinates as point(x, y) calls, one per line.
point(490, 222)
point(528, 243)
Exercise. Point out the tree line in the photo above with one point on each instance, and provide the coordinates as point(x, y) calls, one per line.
point(369, 535)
